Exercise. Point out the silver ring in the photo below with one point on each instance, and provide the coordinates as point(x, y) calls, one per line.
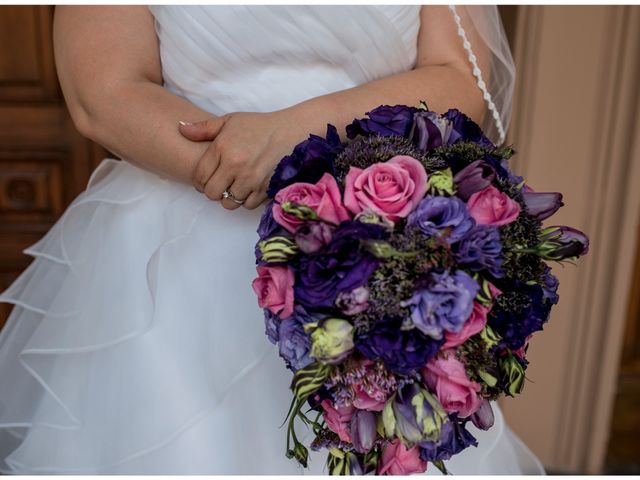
point(232, 197)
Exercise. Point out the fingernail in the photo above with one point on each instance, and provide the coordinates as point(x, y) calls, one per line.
point(184, 124)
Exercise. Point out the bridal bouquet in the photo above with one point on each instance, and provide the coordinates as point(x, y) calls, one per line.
point(402, 274)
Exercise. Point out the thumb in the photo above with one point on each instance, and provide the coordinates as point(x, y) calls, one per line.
point(202, 131)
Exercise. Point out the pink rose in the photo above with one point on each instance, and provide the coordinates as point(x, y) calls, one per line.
point(274, 288)
point(474, 324)
point(493, 207)
point(447, 377)
point(397, 460)
point(338, 419)
point(323, 197)
point(391, 189)
point(364, 401)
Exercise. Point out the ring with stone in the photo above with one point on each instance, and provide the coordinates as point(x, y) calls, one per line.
point(228, 194)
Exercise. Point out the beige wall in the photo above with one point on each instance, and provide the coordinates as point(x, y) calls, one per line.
point(576, 127)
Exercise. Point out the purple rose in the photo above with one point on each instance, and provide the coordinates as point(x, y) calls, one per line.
point(430, 130)
point(310, 160)
point(402, 351)
point(481, 249)
point(443, 216)
point(444, 305)
point(542, 205)
point(385, 120)
point(454, 438)
point(474, 177)
point(312, 236)
point(465, 130)
point(295, 344)
point(342, 266)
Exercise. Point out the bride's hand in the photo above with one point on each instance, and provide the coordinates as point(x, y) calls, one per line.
point(245, 149)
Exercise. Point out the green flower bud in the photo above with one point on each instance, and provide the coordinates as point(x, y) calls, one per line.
point(489, 337)
point(512, 375)
point(369, 216)
point(441, 182)
point(332, 341)
point(278, 249)
point(301, 212)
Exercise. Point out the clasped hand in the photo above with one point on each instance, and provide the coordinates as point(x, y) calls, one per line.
point(245, 148)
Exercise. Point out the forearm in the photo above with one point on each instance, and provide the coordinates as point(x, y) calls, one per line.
point(442, 87)
point(139, 122)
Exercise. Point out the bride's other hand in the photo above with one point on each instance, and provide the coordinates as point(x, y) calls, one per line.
point(245, 149)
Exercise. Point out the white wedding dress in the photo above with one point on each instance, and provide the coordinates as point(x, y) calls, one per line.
point(136, 345)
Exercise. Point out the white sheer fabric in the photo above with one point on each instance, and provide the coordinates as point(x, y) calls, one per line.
point(136, 345)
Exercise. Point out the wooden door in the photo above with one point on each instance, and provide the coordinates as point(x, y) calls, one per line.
point(44, 162)
point(623, 453)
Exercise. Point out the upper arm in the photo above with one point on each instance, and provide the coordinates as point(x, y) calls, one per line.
point(439, 44)
point(99, 48)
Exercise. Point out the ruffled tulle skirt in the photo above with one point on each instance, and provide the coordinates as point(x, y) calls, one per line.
point(136, 346)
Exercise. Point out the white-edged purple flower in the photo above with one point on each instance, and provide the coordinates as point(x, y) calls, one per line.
point(295, 344)
point(444, 305)
point(353, 302)
point(312, 236)
point(444, 216)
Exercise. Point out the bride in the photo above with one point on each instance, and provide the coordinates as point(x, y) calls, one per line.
point(135, 345)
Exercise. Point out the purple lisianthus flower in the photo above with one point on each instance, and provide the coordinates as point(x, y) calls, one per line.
point(443, 216)
point(310, 160)
point(454, 438)
point(268, 227)
point(402, 351)
point(363, 430)
point(550, 286)
point(474, 177)
point(272, 326)
point(385, 120)
point(515, 326)
point(466, 130)
point(295, 344)
point(341, 266)
point(430, 130)
point(312, 236)
point(542, 205)
point(444, 304)
point(483, 417)
point(481, 249)
point(561, 243)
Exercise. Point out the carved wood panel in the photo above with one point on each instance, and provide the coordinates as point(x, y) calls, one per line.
point(44, 162)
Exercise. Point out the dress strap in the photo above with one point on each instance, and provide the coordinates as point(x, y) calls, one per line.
point(478, 74)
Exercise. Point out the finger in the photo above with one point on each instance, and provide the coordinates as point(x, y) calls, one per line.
point(218, 183)
point(255, 199)
point(204, 130)
point(258, 196)
point(205, 168)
